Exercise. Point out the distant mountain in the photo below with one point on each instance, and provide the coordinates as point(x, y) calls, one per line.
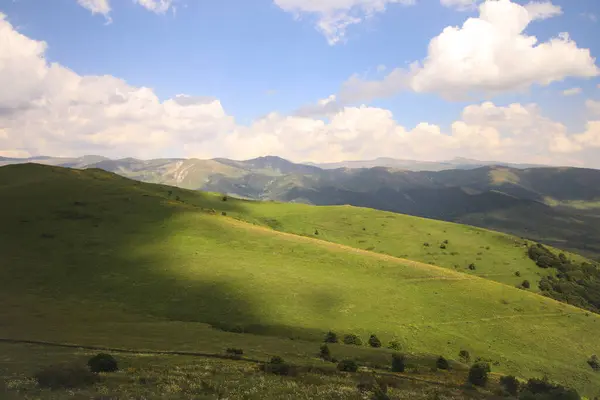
point(558, 206)
point(413, 165)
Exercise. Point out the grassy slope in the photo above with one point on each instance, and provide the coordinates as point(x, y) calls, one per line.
point(153, 268)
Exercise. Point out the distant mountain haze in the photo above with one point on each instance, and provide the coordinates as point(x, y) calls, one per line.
point(556, 205)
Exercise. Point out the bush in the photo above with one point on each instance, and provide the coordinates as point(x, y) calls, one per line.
point(316, 232)
point(442, 246)
point(426, 244)
point(374, 341)
point(518, 273)
point(472, 267)
point(442, 363)
point(446, 241)
point(478, 374)
point(526, 284)
point(225, 198)
point(398, 363)
point(548, 390)
point(234, 351)
point(223, 213)
point(464, 356)
point(348, 366)
point(325, 353)
point(102, 363)
point(65, 376)
point(278, 366)
point(395, 345)
point(594, 362)
point(510, 384)
point(352, 339)
point(331, 337)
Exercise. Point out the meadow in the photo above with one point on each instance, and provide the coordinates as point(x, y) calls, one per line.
point(95, 259)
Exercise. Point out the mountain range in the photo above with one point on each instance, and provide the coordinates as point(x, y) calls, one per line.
point(559, 206)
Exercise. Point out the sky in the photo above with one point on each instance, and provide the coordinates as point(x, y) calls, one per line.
point(307, 80)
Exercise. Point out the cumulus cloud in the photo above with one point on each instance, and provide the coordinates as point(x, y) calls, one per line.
point(103, 6)
point(333, 17)
point(572, 92)
point(593, 107)
point(488, 55)
point(542, 10)
point(156, 6)
point(48, 109)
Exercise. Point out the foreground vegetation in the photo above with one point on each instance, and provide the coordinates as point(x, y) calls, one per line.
point(149, 267)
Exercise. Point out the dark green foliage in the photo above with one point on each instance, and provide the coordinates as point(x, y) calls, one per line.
point(510, 384)
point(170, 192)
point(478, 374)
point(526, 284)
point(374, 341)
point(442, 246)
point(352, 339)
point(395, 345)
point(325, 353)
point(594, 362)
point(398, 363)
point(316, 232)
point(442, 363)
point(278, 366)
point(348, 366)
point(542, 389)
point(177, 198)
point(223, 213)
point(446, 241)
point(331, 337)
point(235, 351)
point(65, 376)
point(464, 356)
point(426, 244)
point(518, 273)
point(225, 198)
point(472, 267)
point(103, 363)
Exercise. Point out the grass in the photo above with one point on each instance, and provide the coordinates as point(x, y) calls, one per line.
point(124, 264)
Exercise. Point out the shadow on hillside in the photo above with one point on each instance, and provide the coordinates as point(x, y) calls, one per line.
point(103, 238)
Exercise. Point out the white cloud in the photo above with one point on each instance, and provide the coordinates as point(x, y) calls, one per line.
point(48, 109)
point(488, 55)
point(592, 17)
point(323, 107)
point(334, 16)
point(572, 91)
point(97, 7)
point(462, 5)
point(542, 10)
point(157, 6)
point(593, 107)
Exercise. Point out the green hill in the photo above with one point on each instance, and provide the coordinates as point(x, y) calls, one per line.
point(123, 263)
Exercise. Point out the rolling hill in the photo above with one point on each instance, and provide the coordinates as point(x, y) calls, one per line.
point(126, 263)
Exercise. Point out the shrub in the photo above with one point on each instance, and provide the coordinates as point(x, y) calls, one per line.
point(325, 353)
point(398, 363)
point(526, 284)
point(225, 198)
point(446, 241)
point(548, 390)
point(234, 351)
point(442, 246)
point(442, 363)
point(352, 339)
point(374, 341)
point(395, 345)
point(102, 363)
point(472, 267)
point(464, 356)
point(331, 337)
point(278, 366)
point(426, 244)
point(348, 366)
point(518, 273)
point(316, 232)
point(223, 213)
point(594, 362)
point(478, 374)
point(64, 376)
point(510, 384)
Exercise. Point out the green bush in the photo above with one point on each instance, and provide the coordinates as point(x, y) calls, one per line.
point(442, 246)
point(374, 341)
point(278, 366)
point(316, 232)
point(65, 376)
point(526, 284)
point(478, 374)
point(426, 244)
point(510, 384)
point(594, 362)
point(331, 337)
point(234, 351)
point(464, 356)
point(544, 389)
point(395, 345)
point(325, 353)
point(398, 363)
point(348, 366)
point(103, 363)
point(518, 273)
point(472, 267)
point(442, 363)
point(225, 198)
point(352, 339)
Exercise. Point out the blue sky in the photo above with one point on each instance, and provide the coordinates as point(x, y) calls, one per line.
point(258, 58)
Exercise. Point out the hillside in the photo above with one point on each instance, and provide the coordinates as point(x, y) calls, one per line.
point(131, 264)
